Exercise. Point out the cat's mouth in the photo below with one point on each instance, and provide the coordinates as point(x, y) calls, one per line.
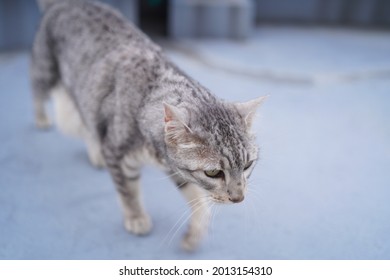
point(219, 199)
point(225, 200)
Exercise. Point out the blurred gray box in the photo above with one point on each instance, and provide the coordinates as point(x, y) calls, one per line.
point(287, 10)
point(347, 11)
point(212, 18)
point(344, 12)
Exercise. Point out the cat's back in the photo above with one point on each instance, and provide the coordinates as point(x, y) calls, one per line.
point(90, 30)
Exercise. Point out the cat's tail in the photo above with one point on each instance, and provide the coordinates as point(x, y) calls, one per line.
point(45, 4)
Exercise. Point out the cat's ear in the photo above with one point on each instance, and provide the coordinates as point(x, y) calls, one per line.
point(247, 110)
point(176, 129)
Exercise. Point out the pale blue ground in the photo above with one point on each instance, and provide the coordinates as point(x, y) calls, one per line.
point(320, 191)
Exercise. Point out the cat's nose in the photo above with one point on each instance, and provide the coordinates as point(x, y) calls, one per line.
point(236, 199)
point(236, 195)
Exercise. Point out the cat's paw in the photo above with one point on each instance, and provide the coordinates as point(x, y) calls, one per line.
point(140, 225)
point(191, 241)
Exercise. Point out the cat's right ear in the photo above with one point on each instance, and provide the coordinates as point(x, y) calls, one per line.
point(176, 129)
point(247, 110)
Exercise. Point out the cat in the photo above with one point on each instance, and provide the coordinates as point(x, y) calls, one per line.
point(113, 87)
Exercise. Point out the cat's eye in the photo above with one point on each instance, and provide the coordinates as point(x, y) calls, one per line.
point(249, 164)
point(215, 173)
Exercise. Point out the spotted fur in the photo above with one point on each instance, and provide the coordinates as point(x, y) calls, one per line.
point(133, 106)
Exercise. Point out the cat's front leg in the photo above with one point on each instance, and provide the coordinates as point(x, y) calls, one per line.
point(127, 181)
point(136, 220)
point(200, 215)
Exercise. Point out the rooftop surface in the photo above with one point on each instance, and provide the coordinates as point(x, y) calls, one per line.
point(320, 191)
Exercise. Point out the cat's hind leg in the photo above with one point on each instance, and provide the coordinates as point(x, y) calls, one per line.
point(44, 76)
point(94, 151)
point(67, 117)
point(42, 120)
point(69, 122)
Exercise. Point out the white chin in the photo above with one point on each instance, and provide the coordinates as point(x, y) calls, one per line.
point(220, 200)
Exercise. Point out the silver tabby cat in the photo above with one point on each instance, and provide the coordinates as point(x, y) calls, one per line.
point(112, 86)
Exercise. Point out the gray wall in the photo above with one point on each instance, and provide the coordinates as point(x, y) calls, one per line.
point(216, 18)
point(344, 12)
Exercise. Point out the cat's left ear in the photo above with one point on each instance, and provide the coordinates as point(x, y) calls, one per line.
point(176, 129)
point(247, 110)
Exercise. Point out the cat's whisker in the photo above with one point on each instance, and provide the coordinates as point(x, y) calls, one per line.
point(166, 177)
point(206, 218)
point(255, 194)
point(251, 186)
point(184, 222)
point(213, 214)
point(255, 210)
point(255, 198)
point(198, 198)
point(246, 228)
point(182, 184)
point(163, 241)
point(194, 203)
point(217, 211)
point(187, 211)
point(189, 205)
point(251, 182)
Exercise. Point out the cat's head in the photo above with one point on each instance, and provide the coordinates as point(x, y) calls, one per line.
point(212, 146)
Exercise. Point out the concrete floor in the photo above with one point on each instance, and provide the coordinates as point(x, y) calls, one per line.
point(320, 191)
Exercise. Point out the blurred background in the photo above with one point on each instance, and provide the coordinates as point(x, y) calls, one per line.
point(207, 18)
point(321, 189)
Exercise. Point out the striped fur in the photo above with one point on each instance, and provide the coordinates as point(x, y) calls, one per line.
point(133, 106)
